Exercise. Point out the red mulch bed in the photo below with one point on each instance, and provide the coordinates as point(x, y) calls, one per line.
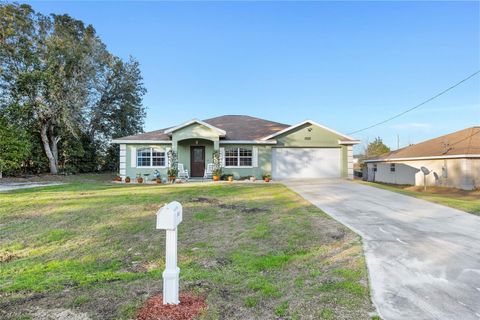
point(190, 307)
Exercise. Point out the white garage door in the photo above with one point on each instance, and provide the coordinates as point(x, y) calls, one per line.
point(293, 163)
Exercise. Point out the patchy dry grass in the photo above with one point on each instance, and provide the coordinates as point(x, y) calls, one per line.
point(465, 200)
point(254, 251)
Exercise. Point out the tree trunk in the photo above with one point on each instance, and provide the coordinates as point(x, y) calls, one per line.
point(53, 144)
point(46, 146)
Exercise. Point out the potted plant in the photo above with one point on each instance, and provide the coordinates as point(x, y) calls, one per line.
point(127, 179)
point(266, 177)
point(230, 178)
point(217, 172)
point(117, 178)
point(172, 174)
point(172, 166)
point(217, 166)
point(139, 178)
point(158, 180)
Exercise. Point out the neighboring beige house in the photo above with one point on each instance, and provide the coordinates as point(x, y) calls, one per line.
point(453, 159)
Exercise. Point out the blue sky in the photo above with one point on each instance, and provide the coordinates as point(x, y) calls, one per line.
point(343, 64)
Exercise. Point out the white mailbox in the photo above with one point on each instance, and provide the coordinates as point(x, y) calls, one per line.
point(169, 216)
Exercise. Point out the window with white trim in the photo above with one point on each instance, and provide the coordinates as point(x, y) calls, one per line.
point(238, 157)
point(150, 157)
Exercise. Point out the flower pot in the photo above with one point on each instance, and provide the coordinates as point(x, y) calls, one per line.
point(117, 178)
point(171, 179)
point(230, 178)
point(266, 179)
point(158, 180)
point(216, 178)
point(139, 180)
point(127, 180)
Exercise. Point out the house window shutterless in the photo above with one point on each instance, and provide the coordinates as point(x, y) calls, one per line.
point(392, 167)
point(238, 157)
point(150, 157)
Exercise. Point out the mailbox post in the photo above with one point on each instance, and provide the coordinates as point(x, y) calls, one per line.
point(168, 218)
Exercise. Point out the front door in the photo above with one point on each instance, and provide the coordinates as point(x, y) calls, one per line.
point(197, 161)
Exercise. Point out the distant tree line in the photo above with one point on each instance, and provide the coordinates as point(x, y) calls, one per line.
point(63, 96)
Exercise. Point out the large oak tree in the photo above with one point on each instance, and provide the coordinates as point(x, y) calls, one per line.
point(58, 80)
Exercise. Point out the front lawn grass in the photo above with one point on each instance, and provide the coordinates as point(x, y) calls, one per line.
point(464, 200)
point(254, 252)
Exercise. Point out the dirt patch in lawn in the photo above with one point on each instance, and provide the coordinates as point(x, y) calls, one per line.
point(57, 314)
point(451, 192)
point(205, 200)
point(242, 208)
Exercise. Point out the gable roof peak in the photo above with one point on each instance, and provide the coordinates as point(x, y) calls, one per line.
point(221, 132)
point(344, 137)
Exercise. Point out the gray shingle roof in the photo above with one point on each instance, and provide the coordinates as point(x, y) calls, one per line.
point(238, 127)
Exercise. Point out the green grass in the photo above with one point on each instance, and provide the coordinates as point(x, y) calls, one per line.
point(254, 251)
point(468, 201)
point(282, 309)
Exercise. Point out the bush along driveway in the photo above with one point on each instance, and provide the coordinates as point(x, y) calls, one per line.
point(423, 258)
point(90, 250)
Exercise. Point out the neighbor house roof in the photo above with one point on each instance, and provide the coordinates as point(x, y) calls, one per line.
point(460, 144)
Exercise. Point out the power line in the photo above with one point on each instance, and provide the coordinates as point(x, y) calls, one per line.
point(418, 105)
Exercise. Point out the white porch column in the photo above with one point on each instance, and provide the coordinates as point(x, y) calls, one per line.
point(350, 162)
point(123, 160)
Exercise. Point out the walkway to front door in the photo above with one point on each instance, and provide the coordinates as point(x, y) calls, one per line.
point(197, 161)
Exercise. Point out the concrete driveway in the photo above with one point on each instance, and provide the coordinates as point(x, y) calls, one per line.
point(7, 186)
point(423, 258)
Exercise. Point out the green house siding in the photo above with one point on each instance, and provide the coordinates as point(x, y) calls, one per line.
point(264, 162)
point(183, 151)
point(305, 136)
point(194, 132)
point(308, 136)
point(132, 172)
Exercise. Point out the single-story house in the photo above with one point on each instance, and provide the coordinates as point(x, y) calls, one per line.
point(248, 146)
point(453, 161)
